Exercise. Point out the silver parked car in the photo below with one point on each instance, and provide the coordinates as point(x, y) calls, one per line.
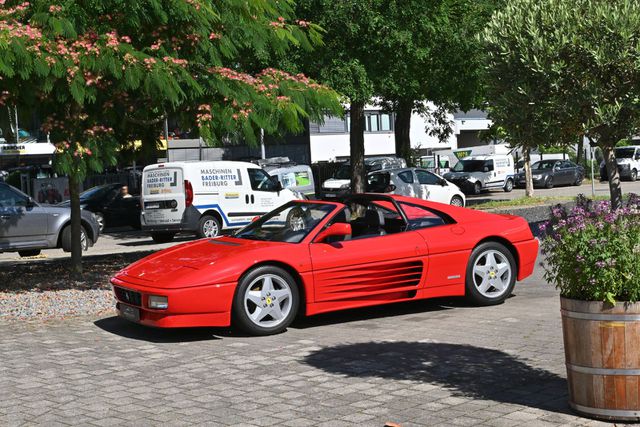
point(415, 182)
point(27, 227)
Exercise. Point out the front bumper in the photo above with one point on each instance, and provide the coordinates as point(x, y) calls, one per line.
point(188, 307)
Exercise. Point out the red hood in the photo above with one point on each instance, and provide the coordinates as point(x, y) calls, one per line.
point(202, 262)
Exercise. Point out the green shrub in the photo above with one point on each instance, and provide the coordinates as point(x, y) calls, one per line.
point(593, 253)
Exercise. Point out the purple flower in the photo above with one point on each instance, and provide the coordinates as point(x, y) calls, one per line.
point(601, 264)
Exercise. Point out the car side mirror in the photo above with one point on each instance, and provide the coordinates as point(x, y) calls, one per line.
point(443, 182)
point(277, 184)
point(30, 202)
point(337, 229)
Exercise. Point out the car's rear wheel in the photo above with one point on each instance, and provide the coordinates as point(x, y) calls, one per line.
point(549, 182)
point(491, 274)
point(296, 219)
point(508, 186)
point(30, 252)
point(457, 201)
point(634, 175)
point(266, 301)
point(162, 237)
point(66, 239)
point(209, 226)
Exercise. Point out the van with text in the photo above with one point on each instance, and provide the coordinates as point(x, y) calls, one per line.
point(206, 197)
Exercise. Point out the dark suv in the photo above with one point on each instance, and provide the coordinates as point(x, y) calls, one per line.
point(27, 227)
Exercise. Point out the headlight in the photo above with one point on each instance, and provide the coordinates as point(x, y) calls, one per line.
point(345, 186)
point(158, 302)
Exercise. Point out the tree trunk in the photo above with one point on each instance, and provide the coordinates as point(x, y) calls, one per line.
point(615, 188)
point(526, 155)
point(76, 248)
point(579, 151)
point(402, 127)
point(356, 139)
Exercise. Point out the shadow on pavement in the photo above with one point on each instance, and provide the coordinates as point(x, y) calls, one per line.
point(118, 326)
point(378, 312)
point(465, 370)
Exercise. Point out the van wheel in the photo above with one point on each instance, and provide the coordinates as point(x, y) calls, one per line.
point(209, 226)
point(66, 239)
point(162, 237)
point(634, 175)
point(508, 186)
point(296, 219)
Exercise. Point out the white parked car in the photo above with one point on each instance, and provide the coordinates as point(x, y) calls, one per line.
point(340, 184)
point(415, 182)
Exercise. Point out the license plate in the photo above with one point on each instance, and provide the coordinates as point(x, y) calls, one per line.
point(330, 195)
point(130, 313)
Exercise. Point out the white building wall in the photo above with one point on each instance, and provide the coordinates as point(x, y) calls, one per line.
point(328, 147)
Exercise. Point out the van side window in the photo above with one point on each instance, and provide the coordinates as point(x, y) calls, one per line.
point(489, 165)
point(261, 181)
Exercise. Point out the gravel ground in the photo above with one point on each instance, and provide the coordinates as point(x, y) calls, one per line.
point(44, 290)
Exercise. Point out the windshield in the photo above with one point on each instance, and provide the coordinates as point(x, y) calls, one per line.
point(343, 172)
point(289, 223)
point(543, 165)
point(469, 166)
point(625, 153)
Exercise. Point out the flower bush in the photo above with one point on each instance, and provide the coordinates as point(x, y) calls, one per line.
point(592, 252)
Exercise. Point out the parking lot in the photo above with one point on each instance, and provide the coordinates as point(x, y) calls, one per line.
point(438, 362)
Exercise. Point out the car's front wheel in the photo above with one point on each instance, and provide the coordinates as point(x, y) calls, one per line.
point(491, 274)
point(66, 241)
point(549, 183)
point(634, 175)
point(99, 220)
point(266, 301)
point(457, 201)
point(477, 188)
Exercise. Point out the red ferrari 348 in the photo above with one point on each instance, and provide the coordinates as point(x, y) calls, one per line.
point(313, 257)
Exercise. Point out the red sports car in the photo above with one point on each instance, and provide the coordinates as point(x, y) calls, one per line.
point(313, 257)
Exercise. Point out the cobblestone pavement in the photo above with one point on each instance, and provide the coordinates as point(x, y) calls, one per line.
point(418, 364)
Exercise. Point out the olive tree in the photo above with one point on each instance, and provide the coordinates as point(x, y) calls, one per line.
point(556, 70)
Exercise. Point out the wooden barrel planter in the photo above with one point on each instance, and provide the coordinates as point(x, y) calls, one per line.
point(602, 352)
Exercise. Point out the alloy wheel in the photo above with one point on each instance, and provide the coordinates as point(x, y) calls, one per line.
point(492, 274)
point(268, 300)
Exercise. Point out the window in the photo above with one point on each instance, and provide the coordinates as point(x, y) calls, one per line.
point(372, 123)
point(261, 181)
point(406, 177)
point(10, 198)
point(385, 122)
point(488, 166)
point(427, 178)
point(331, 125)
point(420, 217)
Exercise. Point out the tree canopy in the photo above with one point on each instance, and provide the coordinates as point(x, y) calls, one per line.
point(89, 66)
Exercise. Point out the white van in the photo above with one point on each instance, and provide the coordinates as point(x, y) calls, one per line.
point(474, 174)
point(206, 197)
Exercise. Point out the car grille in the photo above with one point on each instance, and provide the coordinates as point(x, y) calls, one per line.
point(127, 296)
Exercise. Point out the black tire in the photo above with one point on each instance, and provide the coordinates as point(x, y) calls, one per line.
point(633, 176)
point(30, 252)
point(242, 305)
point(209, 226)
point(473, 293)
point(65, 240)
point(578, 181)
point(549, 183)
point(477, 188)
point(162, 237)
point(508, 186)
point(457, 201)
point(100, 219)
point(296, 219)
